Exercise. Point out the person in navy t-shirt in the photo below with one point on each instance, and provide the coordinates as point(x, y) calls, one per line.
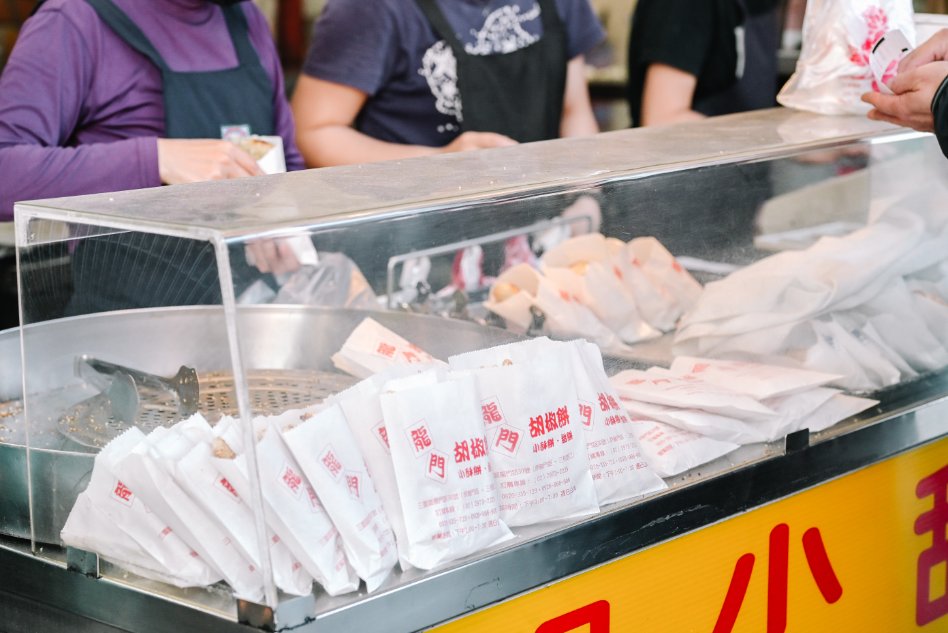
point(388, 79)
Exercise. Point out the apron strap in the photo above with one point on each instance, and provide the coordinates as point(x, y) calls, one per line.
point(118, 21)
point(240, 34)
point(549, 16)
point(440, 24)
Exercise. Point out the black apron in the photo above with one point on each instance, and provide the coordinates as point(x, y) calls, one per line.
point(518, 94)
point(135, 270)
point(756, 86)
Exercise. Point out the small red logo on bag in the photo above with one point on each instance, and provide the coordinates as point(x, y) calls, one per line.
point(386, 350)
point(122, 494)
point(331, 463)
point(507, 440)
point(354, 485)
point(228, 488)
point(586, 414)
point(382, 434)
point(420, 438)
point(292, 480)
point(436, 469)
point(490, 408)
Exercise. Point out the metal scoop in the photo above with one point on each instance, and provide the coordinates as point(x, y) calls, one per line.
point(184, 385)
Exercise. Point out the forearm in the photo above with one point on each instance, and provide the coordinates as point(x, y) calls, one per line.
point(342, 145)
point(577, 118)
point(28, 172)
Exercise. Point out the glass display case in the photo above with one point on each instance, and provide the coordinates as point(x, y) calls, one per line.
point(191, 371)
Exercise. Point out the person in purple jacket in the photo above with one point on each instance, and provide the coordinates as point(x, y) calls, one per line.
point(106, 95)
point(389, 79)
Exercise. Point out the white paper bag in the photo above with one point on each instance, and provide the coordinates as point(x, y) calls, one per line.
point(450, 500)
point(581, 267)
point(362, 409)
point(329, 457)
point(113, 521)
point(535, 441)
point(292, 509)
point(521, 288)
point(671, 451)
point(757, 380)
point(148, 469)
point(687, 392)
point(372, 348)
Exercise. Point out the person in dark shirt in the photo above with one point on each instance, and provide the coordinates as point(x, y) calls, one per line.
point(399, 78)
point(919, 100)
point(692, 59)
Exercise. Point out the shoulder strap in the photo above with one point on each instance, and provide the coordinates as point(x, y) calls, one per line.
point(549, 16)
point(240, 33)
point(440, 24)
point(118, 21)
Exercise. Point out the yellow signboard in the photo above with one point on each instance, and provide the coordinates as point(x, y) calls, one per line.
point(867, 552)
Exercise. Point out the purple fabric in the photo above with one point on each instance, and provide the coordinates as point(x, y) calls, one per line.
point(80, 111)
point(388, 50)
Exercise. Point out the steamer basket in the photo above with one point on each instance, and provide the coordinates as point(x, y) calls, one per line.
point(285, 349)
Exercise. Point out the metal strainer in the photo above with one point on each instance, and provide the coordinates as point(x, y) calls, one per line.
point(91, 422)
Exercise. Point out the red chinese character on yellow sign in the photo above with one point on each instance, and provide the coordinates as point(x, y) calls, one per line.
point(777, 579)
point(927, 610)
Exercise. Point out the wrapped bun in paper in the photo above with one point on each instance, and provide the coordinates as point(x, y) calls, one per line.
point(521, 288)
point(372, 348)
point(536, 444)
point(148, 470)
point(581, 267)
point(439, 449)
point(330, 459)
point(662, 288)
point(362, 408)
point(671, 451)
point(109, 518)
point(296, 520)
point(615, 462)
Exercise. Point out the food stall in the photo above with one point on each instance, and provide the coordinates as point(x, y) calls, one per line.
point(840, 528)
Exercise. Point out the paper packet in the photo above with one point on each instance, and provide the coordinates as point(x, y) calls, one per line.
point(109, 518)
point(521, 291)
point(757, 380)
point(372, 348)
point(671, 451)
point(687, 392)
point(148, 470)
point(330, 459)
point(439, 449)
point(536, 444)
point(581, 267)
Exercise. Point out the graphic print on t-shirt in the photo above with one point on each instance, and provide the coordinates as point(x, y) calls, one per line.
point(503, 32)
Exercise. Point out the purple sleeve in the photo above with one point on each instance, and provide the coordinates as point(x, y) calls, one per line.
point(583, 29)
point(270, 60)
point(43, 93)
point(353, 43)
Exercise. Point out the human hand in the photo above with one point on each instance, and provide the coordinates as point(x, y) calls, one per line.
point(934, 49)
point(477, 140)
point(272, 256)
point(911, 103)
point(196, 160)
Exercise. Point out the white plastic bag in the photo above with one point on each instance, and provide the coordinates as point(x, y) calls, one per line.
point(687, 392)
point(450, 500)
point(838, 36)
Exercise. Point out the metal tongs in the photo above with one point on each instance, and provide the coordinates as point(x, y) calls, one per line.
point(122, 386)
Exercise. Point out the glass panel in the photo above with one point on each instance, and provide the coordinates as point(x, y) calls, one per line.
point(259, 286)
